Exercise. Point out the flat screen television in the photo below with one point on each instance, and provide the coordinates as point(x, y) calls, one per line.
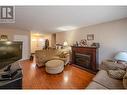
point(10, 52)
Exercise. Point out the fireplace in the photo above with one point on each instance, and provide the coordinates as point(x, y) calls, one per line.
point(85, 57)
point(83, 60)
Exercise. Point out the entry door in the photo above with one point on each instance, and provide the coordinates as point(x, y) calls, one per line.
point(25, 48)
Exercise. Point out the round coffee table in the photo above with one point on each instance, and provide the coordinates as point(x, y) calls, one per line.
point(54, 66)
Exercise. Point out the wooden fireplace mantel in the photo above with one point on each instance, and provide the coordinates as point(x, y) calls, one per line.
point(90, 51)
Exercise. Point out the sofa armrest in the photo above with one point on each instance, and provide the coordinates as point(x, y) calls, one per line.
point(67, 59)
point(111, 65)
point(95, 85)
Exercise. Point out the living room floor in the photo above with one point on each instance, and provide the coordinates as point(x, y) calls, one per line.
point(71, 78)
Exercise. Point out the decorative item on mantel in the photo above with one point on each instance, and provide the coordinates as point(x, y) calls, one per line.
point(95, 45)
point(83, 42)
point(87, 42)
point(76, 44)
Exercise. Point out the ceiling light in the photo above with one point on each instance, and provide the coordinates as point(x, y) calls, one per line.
point(66, 28)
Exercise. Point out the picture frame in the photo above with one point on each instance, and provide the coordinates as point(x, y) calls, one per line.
point(90, 37)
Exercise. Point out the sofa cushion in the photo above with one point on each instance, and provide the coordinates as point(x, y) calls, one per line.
point(9, 72)
point(106, 81)
point(125, 80)
point(94, 85)
point(116, 74)
point(63, 54)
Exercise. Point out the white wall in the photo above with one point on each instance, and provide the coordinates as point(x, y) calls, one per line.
point(112, 37)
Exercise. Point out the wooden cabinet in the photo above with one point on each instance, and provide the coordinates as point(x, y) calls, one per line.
point(85, 57)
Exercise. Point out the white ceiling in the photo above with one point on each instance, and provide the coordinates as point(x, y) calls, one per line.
point(49, 18)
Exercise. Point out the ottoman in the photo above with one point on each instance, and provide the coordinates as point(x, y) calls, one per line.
point(54, 66)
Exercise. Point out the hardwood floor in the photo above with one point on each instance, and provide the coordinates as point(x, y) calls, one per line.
point(71, 78)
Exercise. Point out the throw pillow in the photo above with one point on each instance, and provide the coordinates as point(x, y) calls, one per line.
point(7, 68)
point(63, 54)
point(4, 76)
point(117, 74)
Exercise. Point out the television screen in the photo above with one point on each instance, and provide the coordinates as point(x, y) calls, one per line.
point(9, 52)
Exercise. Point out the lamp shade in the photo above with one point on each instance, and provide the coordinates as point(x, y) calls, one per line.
point(122, 56)
point(65, 43)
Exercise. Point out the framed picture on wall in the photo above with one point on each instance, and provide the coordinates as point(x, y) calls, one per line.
point(90, 37)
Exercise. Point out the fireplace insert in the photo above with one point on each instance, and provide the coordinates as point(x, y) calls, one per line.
point(83, 60)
